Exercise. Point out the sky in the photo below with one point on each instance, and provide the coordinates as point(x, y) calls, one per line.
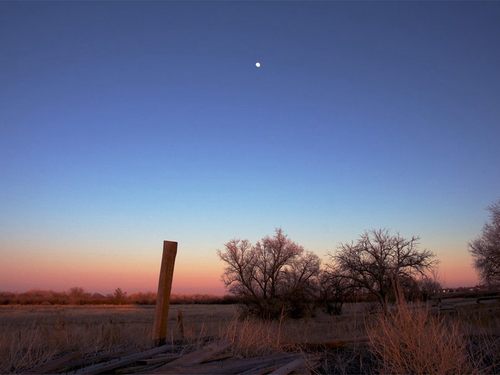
point(123, 124)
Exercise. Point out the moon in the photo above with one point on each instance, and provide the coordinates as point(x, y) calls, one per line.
point(257, 64)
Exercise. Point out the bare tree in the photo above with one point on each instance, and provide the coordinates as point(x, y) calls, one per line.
point(486, 248)
point(269, 275)
point(301, 284)
point(378, 262)
point(78, 296)
point(335, 290)
point(428, 287)
point(119, 296)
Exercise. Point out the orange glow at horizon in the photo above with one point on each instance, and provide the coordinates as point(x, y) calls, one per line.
point(50, 270)
point(195, 272)
point(457, 271)
point(188, 278)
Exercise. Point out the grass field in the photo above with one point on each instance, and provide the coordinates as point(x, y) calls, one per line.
point(32, 335)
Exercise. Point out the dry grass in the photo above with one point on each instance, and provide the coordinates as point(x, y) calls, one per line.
point(32, 335)
point(27, 347)
point(414, 341)
point(253, 337)
point(481, 324)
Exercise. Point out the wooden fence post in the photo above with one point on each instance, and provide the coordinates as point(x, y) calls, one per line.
point(163, 296)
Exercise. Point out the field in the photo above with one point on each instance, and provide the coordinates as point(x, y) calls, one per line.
point(32, 335)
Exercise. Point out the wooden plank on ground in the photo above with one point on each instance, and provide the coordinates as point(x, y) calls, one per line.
point(124, 361)
point(302, 365)
point(289, 367)
point(91, 360)
point(256, 365)
point(55, 364)
point(131, 370)
point(159, 359)
point(198, 356)
point(270, 363)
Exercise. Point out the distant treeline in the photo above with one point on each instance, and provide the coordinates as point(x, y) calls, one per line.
point(78, 296)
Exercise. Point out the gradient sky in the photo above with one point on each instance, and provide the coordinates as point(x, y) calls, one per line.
point(126, 123)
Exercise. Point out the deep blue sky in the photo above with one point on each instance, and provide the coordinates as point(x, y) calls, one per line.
point(126, 123)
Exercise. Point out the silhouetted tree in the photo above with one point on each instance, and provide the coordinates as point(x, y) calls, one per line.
point(379, 263)
point(428, 288)
point(486, 248)
point(147, 298)
point(78, 296)
point(273, 276)
point(335, 290)
point(119, 296)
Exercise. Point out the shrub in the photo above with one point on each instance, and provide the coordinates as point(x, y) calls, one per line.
point(412, 341)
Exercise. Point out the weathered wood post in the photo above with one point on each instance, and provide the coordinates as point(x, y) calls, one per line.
point(163, 296)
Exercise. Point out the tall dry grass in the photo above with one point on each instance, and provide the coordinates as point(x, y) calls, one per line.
point(25, 348)
point(406, 341)
point(412, 341)
point(253, 337)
